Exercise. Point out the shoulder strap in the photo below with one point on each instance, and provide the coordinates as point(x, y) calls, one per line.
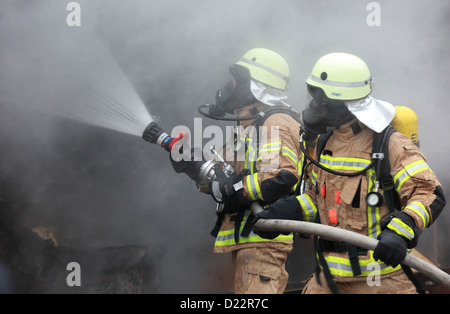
point(381, 145)
point(264, 115)
point(322, 141)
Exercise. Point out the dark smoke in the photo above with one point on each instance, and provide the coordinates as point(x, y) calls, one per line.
point(103, 188)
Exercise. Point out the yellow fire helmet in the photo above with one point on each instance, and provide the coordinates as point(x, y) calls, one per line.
point(341, 76)
point(266, 66)
point(405, 121)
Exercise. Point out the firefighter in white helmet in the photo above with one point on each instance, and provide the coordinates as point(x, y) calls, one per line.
point(351, 187)
point(268, 144)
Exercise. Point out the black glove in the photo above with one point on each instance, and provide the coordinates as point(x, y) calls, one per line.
point(191, 167)
point(288, 208)
point(399, 233)
point(229, 189)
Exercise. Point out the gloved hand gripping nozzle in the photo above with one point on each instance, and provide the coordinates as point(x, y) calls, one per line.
point(197, 169)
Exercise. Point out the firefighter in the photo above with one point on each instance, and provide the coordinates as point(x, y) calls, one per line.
point(345, 189)
point(265, 154)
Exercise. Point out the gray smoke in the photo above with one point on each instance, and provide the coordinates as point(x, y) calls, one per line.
point(101, 187)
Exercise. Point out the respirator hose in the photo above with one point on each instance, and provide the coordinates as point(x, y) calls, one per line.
point(352, 174)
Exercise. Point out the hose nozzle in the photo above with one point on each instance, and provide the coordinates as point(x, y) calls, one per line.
point(154, 134)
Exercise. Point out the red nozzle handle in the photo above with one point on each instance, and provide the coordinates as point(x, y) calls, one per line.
point(178, 138)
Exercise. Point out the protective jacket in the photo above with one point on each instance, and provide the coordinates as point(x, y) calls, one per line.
point(272, 155)
point(341, 201)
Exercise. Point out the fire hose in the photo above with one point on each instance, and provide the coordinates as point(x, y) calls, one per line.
point(338, 234)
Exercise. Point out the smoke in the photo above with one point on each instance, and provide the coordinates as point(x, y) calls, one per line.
point(100, 187)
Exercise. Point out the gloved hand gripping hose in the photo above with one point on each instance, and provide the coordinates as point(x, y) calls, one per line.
point(338, 234)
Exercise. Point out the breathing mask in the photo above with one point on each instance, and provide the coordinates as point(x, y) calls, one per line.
point(322, 112)
point(236, 93)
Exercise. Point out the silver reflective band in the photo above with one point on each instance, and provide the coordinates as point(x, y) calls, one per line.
point(408, 171)
point(394, 225)
point(341, 84)
point(344, 164)
point(161, 138)
point(263, 67)
point(348, 268)
point(421, 211)
point(305, 204)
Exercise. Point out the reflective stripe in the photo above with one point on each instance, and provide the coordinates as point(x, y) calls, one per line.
point(340, 84)
point(253, 187)
point(263, 67)
point(226, 237)
point(268, 147)
point(373, 213)
point(309, 209)
point(420, 210)
point(343, 163)
point(313, 176)
point(401, 228)
point(341, 266)
point(250, 155)
point(408, 172)
point(299, 169)
point(285, 151)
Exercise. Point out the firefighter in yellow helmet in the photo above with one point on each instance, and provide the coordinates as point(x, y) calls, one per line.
point(265, 154)
point(392, 199)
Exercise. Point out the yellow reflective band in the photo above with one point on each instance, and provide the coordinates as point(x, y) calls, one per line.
point(249, 158)
point(341, 266)
point(285, 151)
point(401, 228)
point(268, 147)
point(407, 172)
point(313, 176)
point(420, 210)
point(253, 187)
point(344, 163)
point(308, 207)
point(226, 237)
